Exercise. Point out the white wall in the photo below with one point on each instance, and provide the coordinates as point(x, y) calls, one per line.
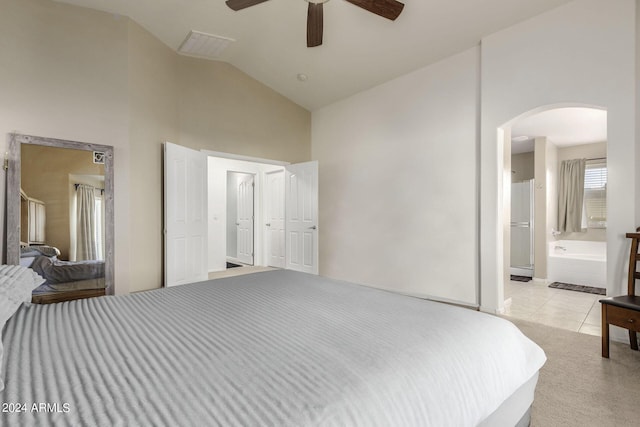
point(545, 203)
point(398, 183)
point(580, 53)
point(551, 167)
point(217, 169)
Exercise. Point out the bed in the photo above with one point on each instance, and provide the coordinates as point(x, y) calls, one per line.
point(62, 276)
point(276, 348)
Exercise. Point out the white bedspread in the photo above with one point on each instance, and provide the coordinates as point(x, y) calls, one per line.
point(277, 348)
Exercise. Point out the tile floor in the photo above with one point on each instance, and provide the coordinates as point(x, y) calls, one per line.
point(536, 302)
point(238, 271)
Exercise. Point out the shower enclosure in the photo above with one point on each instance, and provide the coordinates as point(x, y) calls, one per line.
point(522, 228)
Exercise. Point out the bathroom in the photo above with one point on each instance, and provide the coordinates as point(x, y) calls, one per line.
point(557, 267)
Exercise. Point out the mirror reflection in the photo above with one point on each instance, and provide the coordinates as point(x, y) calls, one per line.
point(62, 218)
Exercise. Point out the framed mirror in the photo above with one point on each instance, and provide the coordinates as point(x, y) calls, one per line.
point(60, 211)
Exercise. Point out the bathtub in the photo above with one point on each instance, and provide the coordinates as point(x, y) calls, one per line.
point(578, 262)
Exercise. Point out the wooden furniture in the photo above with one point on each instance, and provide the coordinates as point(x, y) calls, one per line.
point(66, 296)
point(32, 220)
point(624, 310)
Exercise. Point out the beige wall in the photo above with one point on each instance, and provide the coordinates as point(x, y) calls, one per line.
point(74, 73)
point(583, 151)
point(63, 74)
point(153, 114)
point(522, 167)
point(203, 105)
point(45, 176)
point(223, 109)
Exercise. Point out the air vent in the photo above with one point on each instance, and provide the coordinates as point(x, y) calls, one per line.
point(204, 45)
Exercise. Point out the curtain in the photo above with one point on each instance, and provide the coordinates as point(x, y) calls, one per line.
point(86, 245)
point(571, 195)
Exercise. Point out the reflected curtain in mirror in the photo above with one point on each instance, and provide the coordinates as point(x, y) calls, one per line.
point(571, 195)
point(87, 227)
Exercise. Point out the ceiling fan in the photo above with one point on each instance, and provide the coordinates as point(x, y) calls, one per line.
point(389, 9)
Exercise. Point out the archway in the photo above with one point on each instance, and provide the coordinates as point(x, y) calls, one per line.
point(503, 187)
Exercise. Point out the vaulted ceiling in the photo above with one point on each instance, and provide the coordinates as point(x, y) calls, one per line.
point(360, 49)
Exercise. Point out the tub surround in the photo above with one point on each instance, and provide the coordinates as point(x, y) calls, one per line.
point(578, 262)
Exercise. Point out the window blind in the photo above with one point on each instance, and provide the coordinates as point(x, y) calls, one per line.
point(595, 194)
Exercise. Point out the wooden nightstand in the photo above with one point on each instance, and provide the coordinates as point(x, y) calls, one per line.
point(66, 296)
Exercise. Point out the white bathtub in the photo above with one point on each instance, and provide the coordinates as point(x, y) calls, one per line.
point(578, 262)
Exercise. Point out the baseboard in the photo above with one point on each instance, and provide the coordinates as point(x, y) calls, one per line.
point(517, 271)
point(507, 304)
point(492, 310)
point(539, 281)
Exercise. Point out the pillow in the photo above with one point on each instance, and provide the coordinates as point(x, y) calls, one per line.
point(26, 261)
point(39, 250)
point(16, 285)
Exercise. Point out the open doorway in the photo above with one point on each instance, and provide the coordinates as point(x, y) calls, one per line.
point(262, 213)
point(196, 216)
point(554, 271)
point(238, 197)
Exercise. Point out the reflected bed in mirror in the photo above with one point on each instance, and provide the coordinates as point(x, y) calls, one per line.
point(60, 215)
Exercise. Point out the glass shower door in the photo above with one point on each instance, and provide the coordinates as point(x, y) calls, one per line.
point(522, 228)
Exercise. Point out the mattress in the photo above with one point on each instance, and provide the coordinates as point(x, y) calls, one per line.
point(274, 348)
point(78, 285)
point(57, 271)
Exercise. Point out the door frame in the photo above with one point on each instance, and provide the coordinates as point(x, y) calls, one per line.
point(219, 165)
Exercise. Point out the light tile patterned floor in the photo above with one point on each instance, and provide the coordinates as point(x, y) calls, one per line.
point(238, 271)
point(536, 302)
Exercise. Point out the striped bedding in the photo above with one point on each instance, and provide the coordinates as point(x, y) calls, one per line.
point(277, 348)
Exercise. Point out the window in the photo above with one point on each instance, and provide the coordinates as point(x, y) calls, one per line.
point(99, 227)
point(595, 194)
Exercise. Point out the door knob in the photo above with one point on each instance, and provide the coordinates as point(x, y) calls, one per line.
point(237, 223)
point(313, 227)
point(268, 224)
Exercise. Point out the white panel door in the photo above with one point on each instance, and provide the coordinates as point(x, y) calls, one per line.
point(274, 207)
point(245, 219)
point(185, 212)
point(301, 200)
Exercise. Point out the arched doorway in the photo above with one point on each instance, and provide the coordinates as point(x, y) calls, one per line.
point(534, 146)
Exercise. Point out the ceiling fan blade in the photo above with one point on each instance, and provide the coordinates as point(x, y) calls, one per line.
point(314, 24)
point(243, 4)
point(389, 9)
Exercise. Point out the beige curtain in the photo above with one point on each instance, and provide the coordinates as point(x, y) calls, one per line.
point(571, 195)
point(86, 245)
